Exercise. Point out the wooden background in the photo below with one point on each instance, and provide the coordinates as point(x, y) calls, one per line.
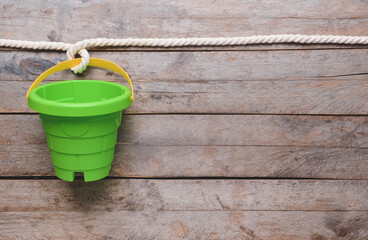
point(248, 142)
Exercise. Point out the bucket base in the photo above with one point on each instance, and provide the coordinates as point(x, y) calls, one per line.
point(84, 144)
point(89, 176)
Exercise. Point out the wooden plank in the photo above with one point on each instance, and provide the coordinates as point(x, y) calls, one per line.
point(71, 20)
point(256, 207)
point(267, 97)
point(208, 146)
point(214, 130)
point(193, 195)
point(172, 225)
point(337, 64)
point(203, 161)
point(327, 82)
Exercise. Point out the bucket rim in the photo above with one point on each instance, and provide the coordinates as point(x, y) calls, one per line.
point(93, 108)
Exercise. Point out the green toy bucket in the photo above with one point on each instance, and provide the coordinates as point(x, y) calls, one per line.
point(81, 119)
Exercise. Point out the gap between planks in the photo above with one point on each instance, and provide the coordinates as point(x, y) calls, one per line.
point(209, 178)
point(215, 114)
point(200, 210)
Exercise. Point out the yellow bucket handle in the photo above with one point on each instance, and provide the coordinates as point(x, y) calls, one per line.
point(95, 62)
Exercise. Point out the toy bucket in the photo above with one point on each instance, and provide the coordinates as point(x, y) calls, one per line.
point(81, 119)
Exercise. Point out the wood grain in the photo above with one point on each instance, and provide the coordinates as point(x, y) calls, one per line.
point(183, 195)
point(74, 20)
point(203, 161)
point(175, 225)
point(214, 130)
point(252, 92)
point(315, 82)
point(208, 146)
point(266, 97)
point(188, 67)
point(155, 209)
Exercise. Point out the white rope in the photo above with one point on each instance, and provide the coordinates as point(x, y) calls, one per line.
point(82, 46)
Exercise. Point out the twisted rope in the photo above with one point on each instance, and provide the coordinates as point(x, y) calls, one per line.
point(82, 46)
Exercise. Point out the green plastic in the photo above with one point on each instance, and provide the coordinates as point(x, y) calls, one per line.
point(81, 120)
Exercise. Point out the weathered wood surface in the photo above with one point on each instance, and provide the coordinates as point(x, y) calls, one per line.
point(155, 209)
point(209, 145)
point(184, 195)
point(74, 20)
point(267, 97)
point(286, 82)
point(175, 225)
point(237, 81)
point(333, 64)
point(215, 130)
point(203, 161)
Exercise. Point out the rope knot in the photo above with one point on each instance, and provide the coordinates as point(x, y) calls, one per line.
point(83, 53)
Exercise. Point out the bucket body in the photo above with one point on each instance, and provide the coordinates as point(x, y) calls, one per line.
point(81, 144)
point(81, 120)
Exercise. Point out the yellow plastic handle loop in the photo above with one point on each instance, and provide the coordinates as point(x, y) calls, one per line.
point(95, 62)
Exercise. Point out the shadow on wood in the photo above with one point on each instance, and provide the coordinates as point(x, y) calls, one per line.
point(86, 195)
